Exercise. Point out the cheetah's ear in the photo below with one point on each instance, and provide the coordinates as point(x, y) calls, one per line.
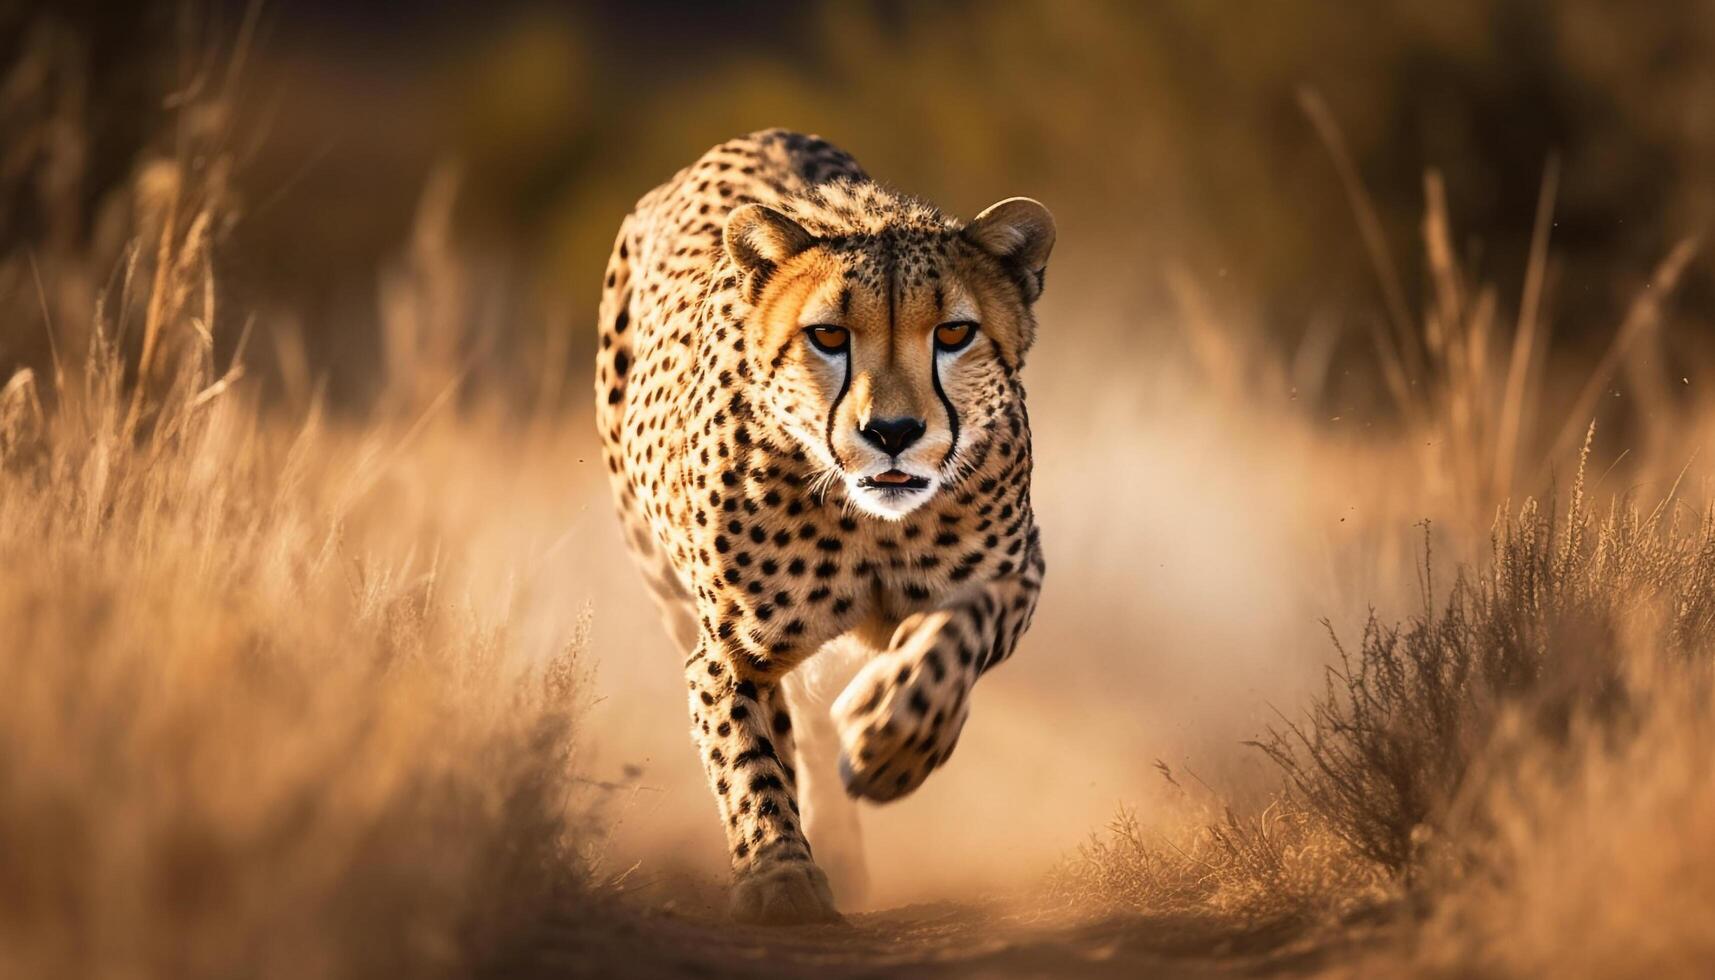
point(1020, 232)
point(759, 237)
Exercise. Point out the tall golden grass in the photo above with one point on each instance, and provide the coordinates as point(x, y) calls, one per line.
point(267, 712)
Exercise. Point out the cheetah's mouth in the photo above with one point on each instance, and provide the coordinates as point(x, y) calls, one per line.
point(894, 480)
point(890, 494)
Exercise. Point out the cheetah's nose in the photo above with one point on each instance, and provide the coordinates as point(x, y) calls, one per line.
point(893, 436)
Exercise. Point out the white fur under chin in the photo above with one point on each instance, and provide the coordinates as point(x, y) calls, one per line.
point(889, 506)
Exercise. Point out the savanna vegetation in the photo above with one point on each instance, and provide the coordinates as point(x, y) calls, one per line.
point(319, 654)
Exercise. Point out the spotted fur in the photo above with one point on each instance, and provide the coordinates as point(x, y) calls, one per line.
point(763, 495)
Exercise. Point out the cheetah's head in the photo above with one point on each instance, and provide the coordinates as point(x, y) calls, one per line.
point(892, 353)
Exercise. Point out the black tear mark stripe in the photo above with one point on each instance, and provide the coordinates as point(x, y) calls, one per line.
point(834, 410)
point(947, 403)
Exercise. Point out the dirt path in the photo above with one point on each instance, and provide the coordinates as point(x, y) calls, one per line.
point(932, 940)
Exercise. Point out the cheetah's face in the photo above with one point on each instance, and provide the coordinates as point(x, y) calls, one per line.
point(891, 356)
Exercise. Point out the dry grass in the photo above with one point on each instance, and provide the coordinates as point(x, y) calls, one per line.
point(1597, 856)
point(266, 714)
point(1525, 757)
point(1280, 864)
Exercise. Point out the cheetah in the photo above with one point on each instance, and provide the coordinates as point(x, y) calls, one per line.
point(810, 407)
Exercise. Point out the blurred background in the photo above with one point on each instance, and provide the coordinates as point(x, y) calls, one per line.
point(1166, 136)
point(1325, 272)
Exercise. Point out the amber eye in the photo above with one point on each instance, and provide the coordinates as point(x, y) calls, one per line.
point(829, 339)
point(954, 336)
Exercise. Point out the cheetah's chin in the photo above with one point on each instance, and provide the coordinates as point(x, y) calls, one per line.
point(890, 503)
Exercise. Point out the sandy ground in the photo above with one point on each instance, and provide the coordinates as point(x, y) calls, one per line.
point(983, 939)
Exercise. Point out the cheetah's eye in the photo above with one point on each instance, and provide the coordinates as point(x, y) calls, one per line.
point(829, 339)
point(955, 336)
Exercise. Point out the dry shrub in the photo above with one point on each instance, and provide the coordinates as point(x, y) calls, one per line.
point(1524, 766)
point(1400, 746)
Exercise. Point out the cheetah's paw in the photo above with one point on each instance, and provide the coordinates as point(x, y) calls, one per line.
point(784, 894)
point(900, 717)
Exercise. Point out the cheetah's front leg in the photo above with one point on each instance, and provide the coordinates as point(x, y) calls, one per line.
point(900, 717)
point(743, 729)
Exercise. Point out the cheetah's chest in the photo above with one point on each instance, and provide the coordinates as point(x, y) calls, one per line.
point(788, 566)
